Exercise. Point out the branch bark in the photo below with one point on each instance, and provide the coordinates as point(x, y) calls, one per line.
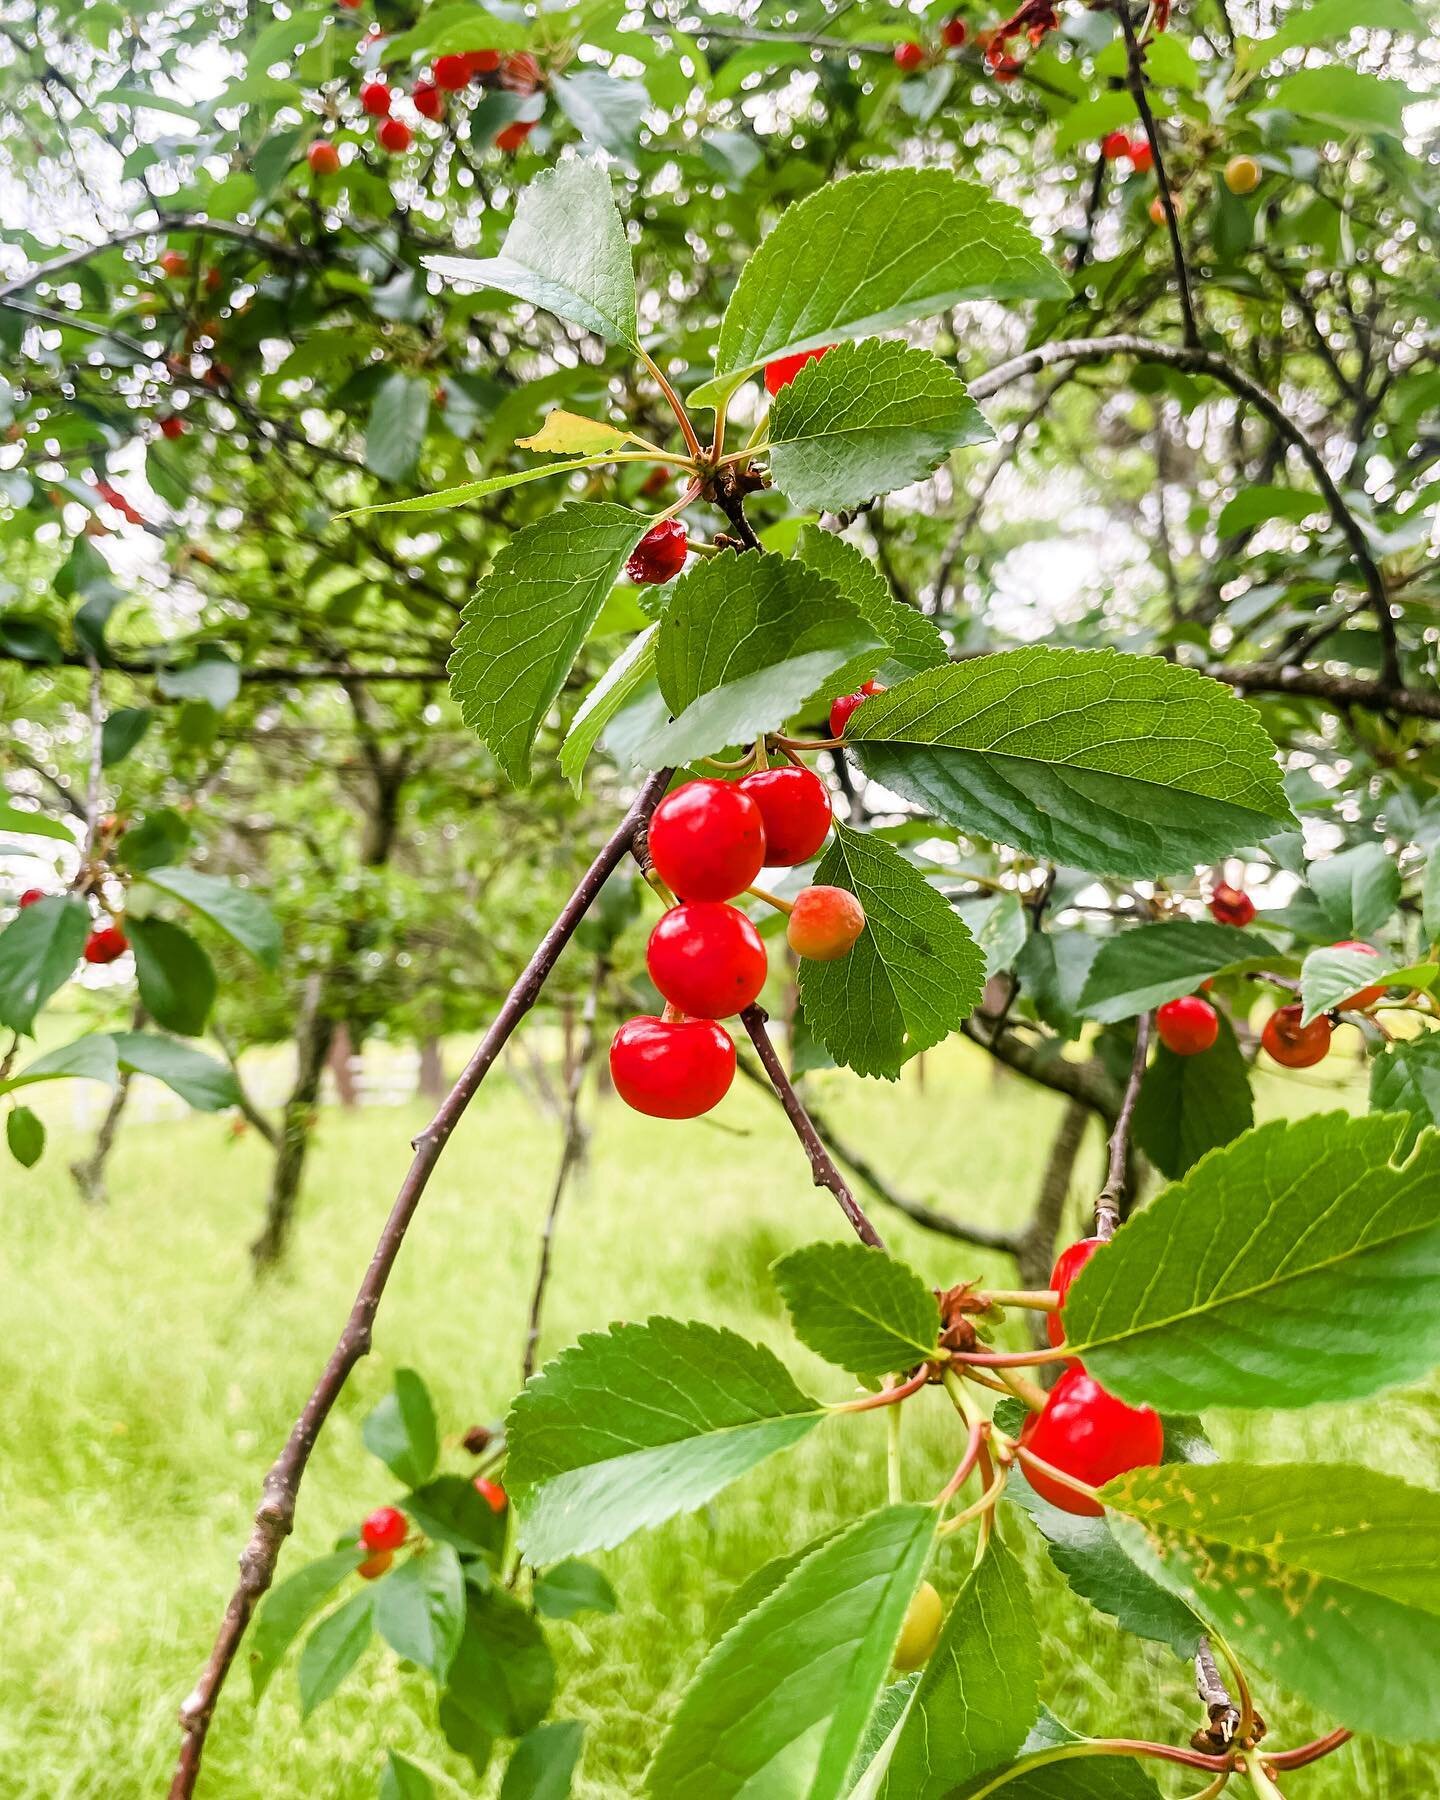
point(1107, 1207)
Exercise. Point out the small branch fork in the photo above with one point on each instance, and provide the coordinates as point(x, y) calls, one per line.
point(1107, 1207)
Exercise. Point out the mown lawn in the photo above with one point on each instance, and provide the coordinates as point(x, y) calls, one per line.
point(147, 1383)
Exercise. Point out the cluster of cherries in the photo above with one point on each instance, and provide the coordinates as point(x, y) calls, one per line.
point(708, 841)
point(911, 56)
point(1118, 146)
point(384, 1531)
point(105, 943)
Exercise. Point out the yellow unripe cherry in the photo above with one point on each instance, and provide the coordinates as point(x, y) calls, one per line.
point(1242, 174)
point(921, 1631)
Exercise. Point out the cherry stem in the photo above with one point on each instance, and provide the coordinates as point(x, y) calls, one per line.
point(784, 906)
point(1041, 1467)
point(793, 743)
point(887, 1396)
point(974, 1444)
point(1308, 1753)
point(1029, 1393)
point(1009, 1359)
point(1190, 1759)
point(985, 1504)
point(1260, 1778)
point(1037, 1299)
point(675, 403)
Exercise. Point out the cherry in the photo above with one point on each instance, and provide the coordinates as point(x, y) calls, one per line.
point(784, 369)
point(824, 923)
point(953, 33)
point(324, 158)
point(428, 100)
point(375, 99)
point(450, 72)
point(707, 959)
point(795, 806)
point(105, 944)
point(1293, 1045)
point(707, 840)
point(172, 427)
point(482, 62)
point(1187, 1026)
point(1086, 1432)
point(1068, 1265)
point(1367, 996)
point(374, 1566)
point(1114, 145)
point(174, 263)
point(1231, 905)
point(394, 134)
point(491, 1493)
point(1142, 157)
point(349, 5)
point(31, 895)
point(921, 1631)
point(384, 1529)
point(660, 554)
point(520, 72)
point(672, 1068)
point(1157, 208)
point(843, 709)
point(511, 137)
point(1242, 175)
point(909, 57)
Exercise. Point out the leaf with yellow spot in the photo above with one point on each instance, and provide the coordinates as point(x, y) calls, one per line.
point(572, 434)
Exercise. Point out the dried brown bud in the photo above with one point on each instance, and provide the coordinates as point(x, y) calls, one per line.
point(477, 1439)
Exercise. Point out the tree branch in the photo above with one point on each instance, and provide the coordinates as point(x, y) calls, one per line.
point(166, 222)
point(1107, 1207)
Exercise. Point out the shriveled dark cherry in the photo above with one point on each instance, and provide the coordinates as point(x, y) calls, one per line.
point(1293, 1045)
point(105, 944)
point(843, 709)
point(384, 1529)
point(707, 840)
point(784, 369)
point(795, 805)
point(1369, 995)
point(1086, 1432)
point(491, 1493)
point(707, 959)
point(909, 57)
point(660, 554)
point(824, 923)
point(672, 1069)
point(1187, 1026)
point(1068, 1265)
point(31, 895)
point(1231, 905)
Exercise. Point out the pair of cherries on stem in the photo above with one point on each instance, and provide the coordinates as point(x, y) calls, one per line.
point(105, 944)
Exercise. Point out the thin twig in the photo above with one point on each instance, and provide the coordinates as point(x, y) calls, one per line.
point(1107, 1207)
point(1224, 1714)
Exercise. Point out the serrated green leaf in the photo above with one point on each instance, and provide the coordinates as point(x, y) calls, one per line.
point(914, 974)
point(611, 694)
point(1406, 1079)
point(1345, 98)
point(631, 1426)
point(1119, 764)
point(1325, 1576)
point(605, 110)
point(445, 498)
point(1055, 1763)
point(998, 925)
point(198, 1079)
point(39, 949)
point(1142, 968)
point(1331, 978)
point(243, 916)
point(1295, 1265)
point(449, 1510)
point(288, 1606)
point(176, 978)
point(780, 1703)
point(503, 1676)
point(858, 1308)
point(914, 642)
point(88, 1058)
point(399, 415)
point(865, 420)
point(573, 1587)
point(542, 1765)
point(420, 1608)
point(1191, 1104)
point(1253, 505)
point(25, 1135)
point(401, 1430)
point(1358, 890)
point(334, 1647)
point(1332, 21)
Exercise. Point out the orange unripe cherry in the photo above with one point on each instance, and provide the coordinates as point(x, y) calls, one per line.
point(824, 923)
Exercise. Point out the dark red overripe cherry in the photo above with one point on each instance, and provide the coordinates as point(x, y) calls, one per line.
point(511, 137)
point(953, 33)
point(1367, 996)
point(1068, 1265)
point(672, 1069)
point(660, 554)
point(491, 1493)
point(384, 1529)
point(707, 959)
point(1086, 1432)
point(784, 369)
point(1187, 1026)
point(795, 806)
point(1293, 1045)
point(394, 135)
point(450, 72)
point(374, 1565)
point(323, 158)
point(1231, 905)
point(824, 923)
point(172, 427)
point(375, 99)
point(1114, 145)
point(1141, 155)
point(707, 840)
point(31, 895)
point(429, 101)
point(909, 57)
point(843, 709)
point(105, 944)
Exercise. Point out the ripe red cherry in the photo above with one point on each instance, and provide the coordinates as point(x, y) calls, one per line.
point(450, 72)
point(661, 553)
point(394, 135)
point(375, 98)
point(482, 62)
point(1068, 1265)
point(173, 262)
point(384, 1529)
point(172, 427)
point(784, 369)
point(1086, 1432)
point(824, 923)
point(909, 57)
point(491, 1493)
point(1367, 996)
point(511, 137)
point(1293, 1045)
point(1141, 155)
point(349, 5)
point(31, 895)
point(953, 33)
point(843, 709)
point(323, 158)
point(105, 944)
point(672, 1069)
point(428, 100)
point(1114, 145)
point(1187, 1026)
point(795, 806)
point(1231, 905)
point(707, 840)
point(374, 1565)
point(706, 959)
point(520, 72)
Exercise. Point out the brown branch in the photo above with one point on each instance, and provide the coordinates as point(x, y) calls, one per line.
point(1319, 684)
point(1107, 1207)
point(172, 222)
point(1135, 81)
point(1086, 1081)
point(275, 1515)
point(1306, 1754)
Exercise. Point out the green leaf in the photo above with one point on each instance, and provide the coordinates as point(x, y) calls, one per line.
point(176, 977)
point(1323, 1575)
point(565, 251)
point(1332, 21)
point(449, 1509)
point(528, 618)
point(503, 1676)
point(977, 1695)
point(1358, 890)
point(25, 823)
point(25, 1135)
point(334, 1647)
point(243, 917)
point(213, 679)
point(607, 112)
point(1057, 1764)
point(1191, 1104)
point(39, 949)
point(121, 732)
point(160, 837)
point(1406, 1079)
point(399, 415)
point(998, 925)
point(914, 641)
point(1119, 764)
point(779, 1705)
point(1331, 978)
point(858, 1308)
point(420, 1608)
point(871, 252)
point(865, 420)
point(615, 689)
point(564, 433)
point(405, 1780)
point(631, 1426)
point(1344, 98)
point(1139, 969)
point(542, 1765)
point(914, 974)
point(1094, 117)
point(573, 1587)
point(287, 1608)
point(452, 30)
point(1254, 505)
point(88, 1058)
point(1430, 896)
point(1167, 62)
point(445, 498)
point(401, 1430)
point(1291, 1267)
point(199, 1080)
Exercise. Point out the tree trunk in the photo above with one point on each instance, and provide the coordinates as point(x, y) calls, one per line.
point(313, 1033)
point(1037, 1246)
point(432, 1083)
point(338, 1060)
point(89, 1172)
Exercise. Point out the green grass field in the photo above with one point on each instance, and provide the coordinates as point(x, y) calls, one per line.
point(147, 1384)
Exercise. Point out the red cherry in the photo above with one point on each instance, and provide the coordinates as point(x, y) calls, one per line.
point(428, 100)
point(1114, 145)
point(172, 427)
point(349, 5)
point(661, 553)
point(1231, 905)
point(1187, 1026)
point(1293, 1045)
point(1086, 1432)
point(323, 158)
point(824, 923)
point(511, 137)
point(909, 57)
point(953, 33)
point(1367, 996)
point(105, 944)
point(795, 805)
point(706, 959)
point(1141, 155)
point(491, 1493)
point(31, 895)
point(843, 709)
point(394, 134)
point(784, 369)
point(672, 1069)
point(450, 72)
point(384, 1529)
point(374, 1566)
point(520, 73)
point(482, 62)
point(375, 98)
point(707, 840)
point(1068, 1265)
point(174, 263)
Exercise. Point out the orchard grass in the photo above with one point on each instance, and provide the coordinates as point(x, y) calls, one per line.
point(147, 1385)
